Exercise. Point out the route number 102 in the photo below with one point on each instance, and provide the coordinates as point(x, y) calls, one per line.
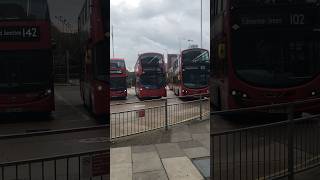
point(297, 19)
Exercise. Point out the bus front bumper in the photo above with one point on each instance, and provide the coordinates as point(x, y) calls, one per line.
point(43, 105)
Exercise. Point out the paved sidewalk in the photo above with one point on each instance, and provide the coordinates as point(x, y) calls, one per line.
point(170, 160)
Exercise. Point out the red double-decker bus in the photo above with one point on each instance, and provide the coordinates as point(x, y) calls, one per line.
point(191, 72)
point(118, 78)
point(265, 52)
point(26, 63)
point(93, 28)
point(150, 76)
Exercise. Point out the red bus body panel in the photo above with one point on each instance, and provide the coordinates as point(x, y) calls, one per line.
point(95, 34)
point(28, 102)
point(185, 91)
point(151, 93)
point(99, 98)
point(115, 93)
point(141, 91)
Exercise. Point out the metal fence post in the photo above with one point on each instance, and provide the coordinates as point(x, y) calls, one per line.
point(290, 112)
point(200, 107)
point(166, 113)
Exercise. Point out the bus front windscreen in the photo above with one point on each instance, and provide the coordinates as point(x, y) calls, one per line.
point(25, 72)
point(152, 81)
point(196, 78)
point(195, 56)
point(276, 61)
point(23, 9)
point(117, 64)
point(118, 83)
point(151, 60)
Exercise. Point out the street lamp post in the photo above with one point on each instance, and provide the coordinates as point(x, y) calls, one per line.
point(112, 42)
point(201, 25)
point(167, 54)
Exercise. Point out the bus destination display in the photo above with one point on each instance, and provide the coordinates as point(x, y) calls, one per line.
point(292, 19)
point(19, 33)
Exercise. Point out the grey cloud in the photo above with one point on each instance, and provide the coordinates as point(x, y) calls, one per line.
point(69, 9)
point(157, 25)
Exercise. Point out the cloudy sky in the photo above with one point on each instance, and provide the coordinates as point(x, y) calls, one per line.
point(69, 9)
point(156, 26)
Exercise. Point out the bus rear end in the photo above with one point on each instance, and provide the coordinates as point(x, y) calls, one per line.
point(118, 79)
point(26, 64)
point(151, 77)
point(194, 72)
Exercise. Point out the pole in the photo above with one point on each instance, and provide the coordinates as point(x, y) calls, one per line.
point(180, 45)
point(201, 24)
point(112, 42)
point(290, 112)
point(166, 114)
point(200, 107)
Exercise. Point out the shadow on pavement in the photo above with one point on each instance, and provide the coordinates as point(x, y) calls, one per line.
point(11, 118)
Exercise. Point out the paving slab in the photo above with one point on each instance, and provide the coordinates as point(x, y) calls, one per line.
point(181, 168)
point(189, 144)
point(203, 138)
point(167, 150)
point(121, 171)
point(154, 175)
point(148, 161)
point(120, 155)
point(196, 152)
point(181, 136)
point(146, 148)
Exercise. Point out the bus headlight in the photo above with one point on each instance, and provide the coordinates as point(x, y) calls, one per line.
point(46, 93)
point(99, 88)
point(238, 94)
point(315, 92)
point(184, 91)
point(49, 91)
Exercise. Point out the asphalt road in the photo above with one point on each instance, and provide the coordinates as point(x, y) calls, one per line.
point(69, 113)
